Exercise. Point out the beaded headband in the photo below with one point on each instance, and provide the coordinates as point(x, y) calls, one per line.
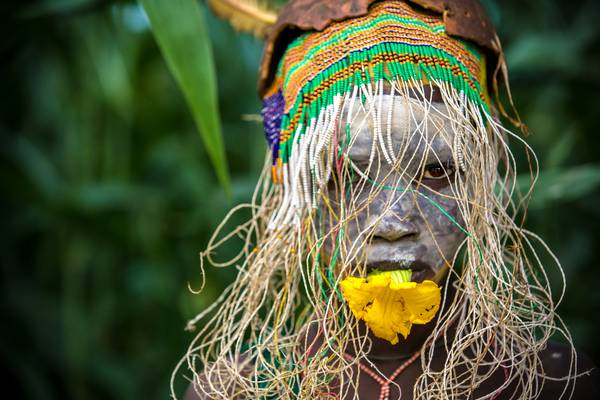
point(319, 71)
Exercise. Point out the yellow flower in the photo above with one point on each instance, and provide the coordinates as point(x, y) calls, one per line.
point(389, 303)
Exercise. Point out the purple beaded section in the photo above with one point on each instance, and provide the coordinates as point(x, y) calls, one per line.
point(272, 113)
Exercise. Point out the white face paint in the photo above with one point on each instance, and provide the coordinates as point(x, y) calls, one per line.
point(403, 177)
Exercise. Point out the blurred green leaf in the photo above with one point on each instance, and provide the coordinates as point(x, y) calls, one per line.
point(180, 30)
point(560, 185)
point(559, 153)
point(56, 7)
point(37, 168)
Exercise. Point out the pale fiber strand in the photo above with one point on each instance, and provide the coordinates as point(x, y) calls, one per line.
point(251, 341)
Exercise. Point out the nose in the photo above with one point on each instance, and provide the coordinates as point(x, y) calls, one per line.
point(392, 227)
point(394, 217)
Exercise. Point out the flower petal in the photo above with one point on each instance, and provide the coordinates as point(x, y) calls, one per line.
point(358, 293)
point(423, 302)
point(387, 316)
point(390, 306)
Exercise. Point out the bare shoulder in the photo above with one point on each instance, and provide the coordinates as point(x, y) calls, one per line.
point(558, 366)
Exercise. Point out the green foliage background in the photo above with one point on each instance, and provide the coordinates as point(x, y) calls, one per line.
point(108, 193)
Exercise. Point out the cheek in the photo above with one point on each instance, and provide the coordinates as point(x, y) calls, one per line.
point(441, 213)
point(440, 230)
point(358, 206)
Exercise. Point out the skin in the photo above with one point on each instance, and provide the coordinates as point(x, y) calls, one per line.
point(410, 232)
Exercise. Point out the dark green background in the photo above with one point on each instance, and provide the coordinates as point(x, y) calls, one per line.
point(108, 195)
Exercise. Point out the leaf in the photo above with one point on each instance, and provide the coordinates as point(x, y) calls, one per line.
point(55, 8)
point(180, 30)
point(562, 185)
point(37, 167)
point(559, 153)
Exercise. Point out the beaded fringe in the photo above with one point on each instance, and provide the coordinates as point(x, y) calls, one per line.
point(315, 145)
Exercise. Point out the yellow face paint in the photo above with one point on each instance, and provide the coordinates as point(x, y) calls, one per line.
point(390, 303)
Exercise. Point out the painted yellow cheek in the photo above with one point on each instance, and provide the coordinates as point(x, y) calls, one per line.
point(389, 303)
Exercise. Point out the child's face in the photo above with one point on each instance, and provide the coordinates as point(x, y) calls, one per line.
point(389, 227)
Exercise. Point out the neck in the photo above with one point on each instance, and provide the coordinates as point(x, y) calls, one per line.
point(382, 350)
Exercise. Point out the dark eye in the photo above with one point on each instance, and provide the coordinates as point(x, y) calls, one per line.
point(438, 170)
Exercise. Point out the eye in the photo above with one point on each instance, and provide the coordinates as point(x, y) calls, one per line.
point(438, 170)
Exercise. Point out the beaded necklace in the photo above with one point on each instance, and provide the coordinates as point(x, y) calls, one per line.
point(384, 383)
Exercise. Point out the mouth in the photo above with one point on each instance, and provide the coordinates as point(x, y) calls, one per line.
point(420, 270)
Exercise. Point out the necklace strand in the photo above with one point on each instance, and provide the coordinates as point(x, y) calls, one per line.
point(384, 383)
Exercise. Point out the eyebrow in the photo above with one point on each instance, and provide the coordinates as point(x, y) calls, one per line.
point(430, 93)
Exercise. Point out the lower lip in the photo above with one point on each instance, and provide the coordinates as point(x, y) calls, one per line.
point(418, 276)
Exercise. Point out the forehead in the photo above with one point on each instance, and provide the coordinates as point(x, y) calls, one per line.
point(400, 124)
